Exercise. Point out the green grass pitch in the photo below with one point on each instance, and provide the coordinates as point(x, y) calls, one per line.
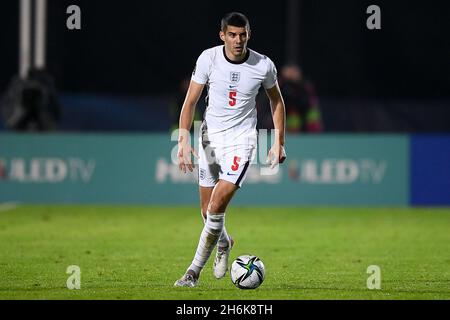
point(127, 252)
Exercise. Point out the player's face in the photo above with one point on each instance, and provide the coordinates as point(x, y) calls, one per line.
point(235, 40)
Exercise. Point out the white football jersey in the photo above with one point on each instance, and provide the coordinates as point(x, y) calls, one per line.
point(232, 89)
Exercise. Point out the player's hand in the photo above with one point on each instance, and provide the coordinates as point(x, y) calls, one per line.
point(184, 155)
point(276, 155)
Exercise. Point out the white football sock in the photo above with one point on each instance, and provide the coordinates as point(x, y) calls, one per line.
point(208, 240)
point(224, 240)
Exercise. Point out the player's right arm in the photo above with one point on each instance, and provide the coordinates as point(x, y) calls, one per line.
point(186, 117)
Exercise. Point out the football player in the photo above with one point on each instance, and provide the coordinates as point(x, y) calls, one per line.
point(233, 74)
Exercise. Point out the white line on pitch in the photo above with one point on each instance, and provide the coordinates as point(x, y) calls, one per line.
point(5, 206)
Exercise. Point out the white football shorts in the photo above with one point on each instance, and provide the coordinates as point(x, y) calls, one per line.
point(225, 162)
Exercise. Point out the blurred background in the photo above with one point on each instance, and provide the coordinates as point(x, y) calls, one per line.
point(124, 70)
point(127, 70)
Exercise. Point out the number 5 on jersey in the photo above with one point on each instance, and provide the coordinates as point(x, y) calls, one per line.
point(232, 97)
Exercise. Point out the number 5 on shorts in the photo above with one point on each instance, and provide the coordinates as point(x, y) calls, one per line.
point(235, 165)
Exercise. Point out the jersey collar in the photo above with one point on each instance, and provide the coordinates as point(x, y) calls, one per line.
point(236, 62)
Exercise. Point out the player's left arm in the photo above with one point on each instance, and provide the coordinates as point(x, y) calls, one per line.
point(277, 153)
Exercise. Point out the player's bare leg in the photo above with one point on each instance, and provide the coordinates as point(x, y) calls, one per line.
point(205, 197)
point(220, 197)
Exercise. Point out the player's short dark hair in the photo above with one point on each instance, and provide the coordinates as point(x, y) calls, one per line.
point(235, 19)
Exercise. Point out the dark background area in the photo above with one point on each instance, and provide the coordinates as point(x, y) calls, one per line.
point(144, 48)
